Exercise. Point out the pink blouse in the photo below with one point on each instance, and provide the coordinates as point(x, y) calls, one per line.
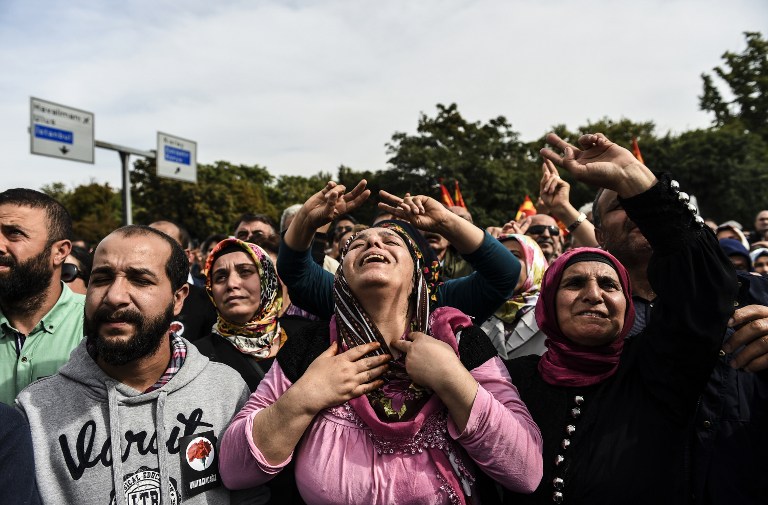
point(339, 460)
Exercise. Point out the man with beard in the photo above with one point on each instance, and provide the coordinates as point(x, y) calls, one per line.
point(135, 415)
point(728, 441)
point(40, 317)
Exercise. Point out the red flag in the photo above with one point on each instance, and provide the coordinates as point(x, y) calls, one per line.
point(526, 209)
point(445, 196)
point(636, 150)
point(457, 196)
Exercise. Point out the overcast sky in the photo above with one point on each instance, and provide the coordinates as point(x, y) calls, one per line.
point(304, 86)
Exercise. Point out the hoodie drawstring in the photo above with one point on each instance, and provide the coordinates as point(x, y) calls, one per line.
point(117, 451)
point(162, 453)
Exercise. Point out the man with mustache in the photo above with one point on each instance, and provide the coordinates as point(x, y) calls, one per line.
point(135, 414)
point(546, 233)
point(40, 317)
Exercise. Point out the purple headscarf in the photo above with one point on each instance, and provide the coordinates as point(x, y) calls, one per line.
point(566, 363)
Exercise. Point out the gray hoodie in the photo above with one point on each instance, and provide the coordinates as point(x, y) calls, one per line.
point(77, 415)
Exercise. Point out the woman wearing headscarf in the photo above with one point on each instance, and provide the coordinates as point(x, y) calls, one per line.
point(614, 412)
point(759, 258)
point(242, 283)
point(513, 329)
point(478, 295)
point(404, 406)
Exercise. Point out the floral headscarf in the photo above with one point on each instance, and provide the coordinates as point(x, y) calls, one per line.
point(261, 337)
point(535, 264)
point(566, 363)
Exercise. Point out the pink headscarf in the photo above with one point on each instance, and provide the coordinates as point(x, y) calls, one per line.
point(566, 363)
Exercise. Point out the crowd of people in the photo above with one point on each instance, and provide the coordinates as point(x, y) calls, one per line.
point(613, 353)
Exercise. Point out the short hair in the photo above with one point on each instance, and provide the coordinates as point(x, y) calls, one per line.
point(288, 212)
point(184, 238)
point(596, 217)
point(249, 217)
point(270, 244)
point(177, 266)
point(212, 240)
point(59, 220)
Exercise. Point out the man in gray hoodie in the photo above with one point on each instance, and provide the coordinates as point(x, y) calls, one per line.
point(135, 415)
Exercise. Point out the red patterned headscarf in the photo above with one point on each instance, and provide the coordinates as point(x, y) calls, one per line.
point(566, 363)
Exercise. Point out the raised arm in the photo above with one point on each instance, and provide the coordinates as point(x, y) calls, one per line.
point(496, 269)
point(309, 286)
point(555, 192)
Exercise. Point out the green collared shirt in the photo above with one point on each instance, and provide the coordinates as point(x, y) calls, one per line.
point(45, 349)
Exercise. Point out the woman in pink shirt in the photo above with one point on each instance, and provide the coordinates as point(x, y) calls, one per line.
point(403, 407)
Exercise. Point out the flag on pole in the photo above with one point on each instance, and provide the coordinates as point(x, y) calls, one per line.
point(445, 195)
point(457, 198)
point(636, 150)
point(526, 209)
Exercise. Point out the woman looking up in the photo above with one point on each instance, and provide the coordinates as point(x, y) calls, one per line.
point(404, 405)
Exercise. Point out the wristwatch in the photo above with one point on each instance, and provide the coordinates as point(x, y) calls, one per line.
point(572, 227)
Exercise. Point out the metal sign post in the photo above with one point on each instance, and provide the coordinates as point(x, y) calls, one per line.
point(125, 154)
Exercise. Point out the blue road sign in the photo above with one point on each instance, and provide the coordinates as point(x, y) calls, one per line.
point(176, 155)
point(48, 133)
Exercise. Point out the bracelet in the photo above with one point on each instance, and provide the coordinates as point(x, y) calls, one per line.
point(572, 227)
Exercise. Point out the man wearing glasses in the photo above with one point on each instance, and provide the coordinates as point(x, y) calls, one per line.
point(41, 319)
point(546, 233)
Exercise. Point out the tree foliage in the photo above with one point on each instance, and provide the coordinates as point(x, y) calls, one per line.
point(746, 76)
point(725, 166)
point(95, 208)
point(487, 159)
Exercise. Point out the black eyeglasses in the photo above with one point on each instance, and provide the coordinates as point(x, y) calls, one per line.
point(70, 272)
point(538, 229)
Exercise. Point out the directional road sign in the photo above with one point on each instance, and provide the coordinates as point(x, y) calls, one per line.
point(60, 131)
point(176, 157)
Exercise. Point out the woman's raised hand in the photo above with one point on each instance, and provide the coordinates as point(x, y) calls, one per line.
point(333, 378)
point(333, 201)
point(320, 209)
point(422, 211)
point(601, 163)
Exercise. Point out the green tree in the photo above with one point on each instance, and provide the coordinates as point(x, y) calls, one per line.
point(223, 192)
point(488, 160)
point(746, 76)
point(95, 208)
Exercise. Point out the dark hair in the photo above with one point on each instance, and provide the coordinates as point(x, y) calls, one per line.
point(596, 218)
point(177, 266)
point(184, 238)
point(270, 244)
point(85, 259)
point(249, 217)
point(59, 220)
point(211, 240)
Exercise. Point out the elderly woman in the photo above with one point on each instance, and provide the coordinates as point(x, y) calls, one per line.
point(613, 412)
point(389, 403)
point(513, 329)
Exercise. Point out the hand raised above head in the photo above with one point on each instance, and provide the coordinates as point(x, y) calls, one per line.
point(422, 211)
point(333, 201)
point(601, 163)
